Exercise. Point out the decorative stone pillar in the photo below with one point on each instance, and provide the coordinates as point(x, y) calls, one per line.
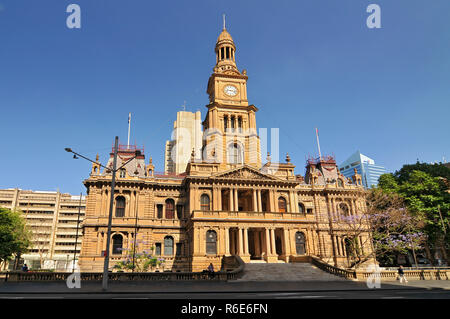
point(219, 199)
point(255, 201)
point(236, 200)
point(268, 250)
point(214, 198)
point(240, 241)
point(227, 242)
point(246, 252)
point(271, 200)
point(287, 248)
point(291, 202)
point(231, 197)
point(259, 200)
point(272, 239)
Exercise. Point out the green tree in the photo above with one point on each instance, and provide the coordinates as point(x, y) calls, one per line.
point(434, 170)
point(14, 235)
point(424, 188)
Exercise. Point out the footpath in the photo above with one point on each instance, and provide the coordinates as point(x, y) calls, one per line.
point(192, 287)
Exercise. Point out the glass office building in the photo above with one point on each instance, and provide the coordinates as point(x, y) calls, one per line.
point(365, 166)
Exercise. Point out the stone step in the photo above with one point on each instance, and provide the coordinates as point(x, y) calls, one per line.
point(285, 272)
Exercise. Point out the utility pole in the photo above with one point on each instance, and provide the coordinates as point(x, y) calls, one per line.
point(114, 170)
point(76, 236)
point(111, 204)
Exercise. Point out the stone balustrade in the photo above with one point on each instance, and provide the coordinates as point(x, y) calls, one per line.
point(234, 266)
point(385, 275)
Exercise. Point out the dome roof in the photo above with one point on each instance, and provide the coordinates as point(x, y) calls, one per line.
point(224, 36)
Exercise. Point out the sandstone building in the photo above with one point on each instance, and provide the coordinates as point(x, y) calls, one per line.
point(227, 202)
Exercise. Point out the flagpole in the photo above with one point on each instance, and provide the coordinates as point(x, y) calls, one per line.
point(129, 121)
point(318, 144)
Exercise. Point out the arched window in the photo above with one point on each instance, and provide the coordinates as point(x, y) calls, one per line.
point(211, 242)
point(234, 154)
point(204, 202)
point(170, 208)
point(301, 208)
point(343, 209)
point(300, 243)
point(117, 243)
point(282, 205)
point(240, 124)
point(168, 246)
point(340, 182)
point(122, 173)
point(120, 206)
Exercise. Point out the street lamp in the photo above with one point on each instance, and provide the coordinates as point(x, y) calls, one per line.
point(114, 170)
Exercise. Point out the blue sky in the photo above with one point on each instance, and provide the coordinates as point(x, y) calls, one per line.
point(310, 64)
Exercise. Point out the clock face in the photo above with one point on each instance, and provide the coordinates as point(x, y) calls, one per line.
point(230, 90)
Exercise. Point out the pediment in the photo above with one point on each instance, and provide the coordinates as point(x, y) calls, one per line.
point(245, 172)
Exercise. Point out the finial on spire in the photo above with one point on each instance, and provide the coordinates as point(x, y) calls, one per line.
point(224, 21)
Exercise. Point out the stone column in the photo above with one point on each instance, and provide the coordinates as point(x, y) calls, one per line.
point(272, 238)
point(271, 199)
point(214, 199)
point(219, 199)
point(291, 203)
point(236, 201)
point(275, 201)
point(287, 247)
point(241, 246)
point(353, 207)
point(227, 242)
point(99, 243)
point(259, 200)
point(255, 201)
point(268, 250)
point(231, 200)
point(246, 252)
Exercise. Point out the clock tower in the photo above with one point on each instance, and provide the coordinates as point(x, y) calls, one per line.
point(230, 135)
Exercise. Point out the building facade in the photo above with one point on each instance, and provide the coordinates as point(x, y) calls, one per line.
point(53, 221)
point(227, 202)
point(186, 137)
point(365, 166)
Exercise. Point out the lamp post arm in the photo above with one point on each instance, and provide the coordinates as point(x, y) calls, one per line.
point(88, 159)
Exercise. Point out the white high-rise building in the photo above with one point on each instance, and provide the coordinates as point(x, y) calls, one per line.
point(186, 136)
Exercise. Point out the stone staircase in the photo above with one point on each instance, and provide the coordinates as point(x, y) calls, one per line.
point(285, 272)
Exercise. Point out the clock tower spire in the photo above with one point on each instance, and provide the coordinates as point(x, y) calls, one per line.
point(230, 122)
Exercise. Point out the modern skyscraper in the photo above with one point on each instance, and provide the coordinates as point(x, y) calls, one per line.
point(365, 166)
point(186, 136)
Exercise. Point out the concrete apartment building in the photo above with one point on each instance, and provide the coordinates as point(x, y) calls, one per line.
point(53, 218)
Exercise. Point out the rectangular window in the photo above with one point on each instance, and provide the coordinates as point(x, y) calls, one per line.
point(158, 249)
point(178, 251)
point(160, 210)
point(309, 211)
point(179, 211)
